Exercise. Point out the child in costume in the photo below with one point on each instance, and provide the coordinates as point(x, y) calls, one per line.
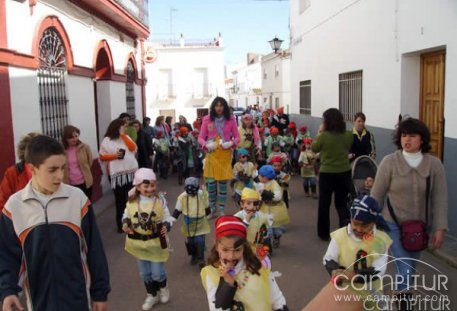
point(282, 178)
point(234, 278)
point(272, 202)
point(276, 152)
point(358, 253)
point(146, 221)
point(193, 203)
point(162, 147)
point(274, 137)
point(245, 172)
point(257, 223)
point(307, 162)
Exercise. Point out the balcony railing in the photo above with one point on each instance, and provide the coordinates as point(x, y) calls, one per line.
point(137, 8)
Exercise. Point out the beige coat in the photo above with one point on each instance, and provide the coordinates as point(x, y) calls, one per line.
point(84, 156)
point(406, 188)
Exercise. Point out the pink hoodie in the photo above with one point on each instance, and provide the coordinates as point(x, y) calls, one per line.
point(208, 131)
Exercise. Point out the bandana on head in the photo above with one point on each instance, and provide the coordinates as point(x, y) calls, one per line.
point(366, 209)
point(242, 151)
point(274, 130)
point(276, 159)
point(249, 194)
point(183, 130)
point(143, 174)
point(230, 225)
point(303, 128)
point(268, 172)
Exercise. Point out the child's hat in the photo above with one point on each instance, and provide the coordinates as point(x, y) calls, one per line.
point(249, 194)
point(303, 128)
point(276, 159)
point(192, 181)
point(242, 151)
point(366, 209)
point(267, 171)
point(143, 174)
point(307, 140)
point(230, 225)
point(292, 125)
point(274, 130)
point(261, 130)
point(183, 130)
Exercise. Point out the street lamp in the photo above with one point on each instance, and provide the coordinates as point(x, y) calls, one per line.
point(275, 44)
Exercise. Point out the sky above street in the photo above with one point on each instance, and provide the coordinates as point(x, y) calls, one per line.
point(246, 25)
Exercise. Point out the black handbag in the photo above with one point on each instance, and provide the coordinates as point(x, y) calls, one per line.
point(414, 236)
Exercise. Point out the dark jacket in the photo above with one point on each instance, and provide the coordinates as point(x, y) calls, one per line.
point(363, 144)
point(54, 251)
point(145, 150)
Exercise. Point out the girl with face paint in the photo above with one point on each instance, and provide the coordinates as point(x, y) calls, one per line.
point(234, 277)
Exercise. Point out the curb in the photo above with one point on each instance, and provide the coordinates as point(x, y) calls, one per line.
point(448, 252)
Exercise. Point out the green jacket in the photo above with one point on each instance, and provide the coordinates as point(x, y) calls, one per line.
point(334, 149)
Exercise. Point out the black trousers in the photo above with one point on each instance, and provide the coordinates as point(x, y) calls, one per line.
point(120, 197)
point(329, 183)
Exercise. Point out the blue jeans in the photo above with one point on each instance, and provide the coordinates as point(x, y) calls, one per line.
point(198, 242)
point(152, 271)
point(406, 266)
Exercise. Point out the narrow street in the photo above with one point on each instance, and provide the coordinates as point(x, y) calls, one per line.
point(299, 259)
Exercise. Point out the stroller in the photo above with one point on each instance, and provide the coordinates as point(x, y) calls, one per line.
point(362, 168)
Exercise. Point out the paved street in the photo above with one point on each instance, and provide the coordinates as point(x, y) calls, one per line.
point(299, 259)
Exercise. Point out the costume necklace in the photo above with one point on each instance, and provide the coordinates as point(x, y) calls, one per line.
point(143, 217)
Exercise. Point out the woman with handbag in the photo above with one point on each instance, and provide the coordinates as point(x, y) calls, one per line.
point(413, 183)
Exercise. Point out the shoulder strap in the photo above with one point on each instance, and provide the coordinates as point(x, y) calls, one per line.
point(427, 197)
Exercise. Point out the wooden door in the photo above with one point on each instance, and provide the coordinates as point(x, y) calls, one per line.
point(432, 98)
point(168, 113)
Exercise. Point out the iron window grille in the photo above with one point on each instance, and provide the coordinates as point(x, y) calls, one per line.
point(130, 89)
point(51, 84)
point(305, 97)
point(350, 93)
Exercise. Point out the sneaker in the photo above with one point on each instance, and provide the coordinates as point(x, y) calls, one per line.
point(150, 301)
point(164, 294)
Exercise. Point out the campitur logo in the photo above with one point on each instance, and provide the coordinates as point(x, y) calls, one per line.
point(381, 292)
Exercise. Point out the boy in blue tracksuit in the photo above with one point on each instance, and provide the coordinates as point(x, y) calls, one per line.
point(50, 244)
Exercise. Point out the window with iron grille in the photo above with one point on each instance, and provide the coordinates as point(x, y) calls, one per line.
point(130, 89)
point(350, 94)
point(305, 97)
point(51, 84)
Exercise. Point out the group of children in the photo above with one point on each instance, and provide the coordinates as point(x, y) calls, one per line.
point(235, 276)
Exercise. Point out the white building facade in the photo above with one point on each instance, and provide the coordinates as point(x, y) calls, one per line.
point(275, 69)
point(69, 62)
point(247, 84)
point(384, 58)
point(184, 78)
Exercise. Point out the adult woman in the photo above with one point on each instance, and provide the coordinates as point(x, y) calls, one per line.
point(18, 175)
point(363, 143)
point(249, 137)
point(333, 143)
point(218, 136)
point(160, 127)
point(144, 145)
point(147, 128)
point(402, 177)
point(117, 151)
point(79, 160)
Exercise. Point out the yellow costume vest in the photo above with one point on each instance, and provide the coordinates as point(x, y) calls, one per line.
point(245, 134)
point(248, 171)
point(193, 210)
point(256, 229)
point(374, 247)
point(144, 218)
point(277, 209)
point(253, 291)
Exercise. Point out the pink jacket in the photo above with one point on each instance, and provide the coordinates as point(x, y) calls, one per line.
point(208, 131)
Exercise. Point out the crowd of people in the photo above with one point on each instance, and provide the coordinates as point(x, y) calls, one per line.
point(256, 156)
